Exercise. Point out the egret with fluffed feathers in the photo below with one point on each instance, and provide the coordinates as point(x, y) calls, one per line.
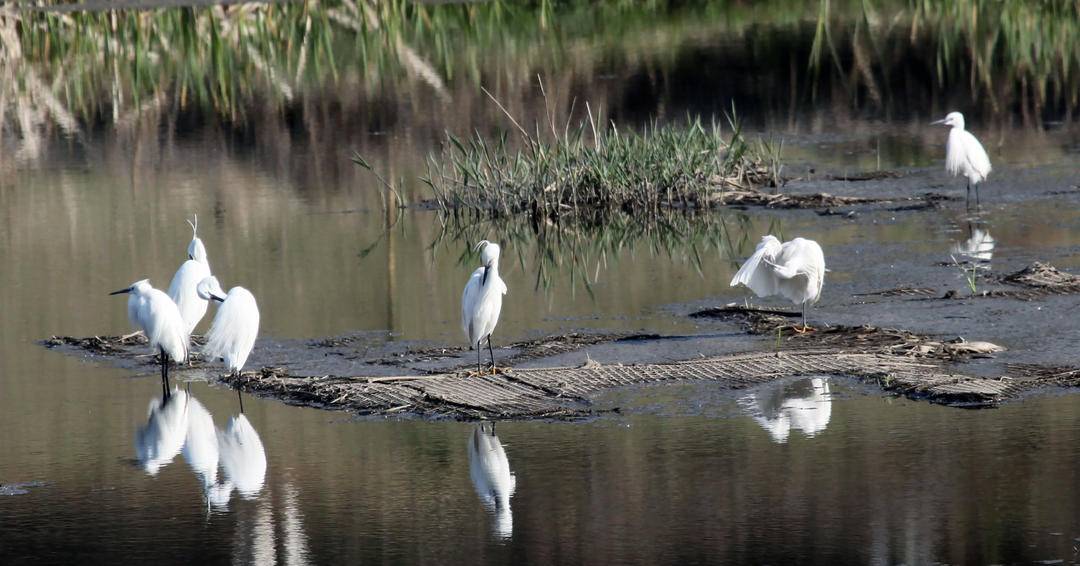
point(794, 269)
point(964, 155)
point(481, 301)
point(159, 318)
point(236, 324)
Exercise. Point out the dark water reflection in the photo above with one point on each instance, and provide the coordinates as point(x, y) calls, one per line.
point(94, 192)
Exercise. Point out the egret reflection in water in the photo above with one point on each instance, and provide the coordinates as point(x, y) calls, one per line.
point(163, 435)
point(779, 407)
point(182, 424)
point(491, 477)
point(979, 244)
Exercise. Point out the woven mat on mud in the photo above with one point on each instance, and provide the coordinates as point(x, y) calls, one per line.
point(565, 392)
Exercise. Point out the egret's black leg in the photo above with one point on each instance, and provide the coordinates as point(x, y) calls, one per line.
point(492, 353)
point(978, 206)
point(969, 194)
point(804, 316)
point(479, 369)
point(164, 372)
point(241, 399)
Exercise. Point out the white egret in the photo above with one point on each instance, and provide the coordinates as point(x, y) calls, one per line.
point(794, 269)
point(236, 324)
point(162, 438)
point(159, 318)
point(243, 458)
point(481, 301)
point(182, 289)
point(779, 407)
point(491, 477)
point(964, 155)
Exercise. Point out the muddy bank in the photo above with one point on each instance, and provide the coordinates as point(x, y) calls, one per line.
point(896, 360)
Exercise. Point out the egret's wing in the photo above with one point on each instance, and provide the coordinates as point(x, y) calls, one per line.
point(487, 310)
point(756, 273)
point(800, 270)
point(977, 160)
point(164, 327)
point(235, 327)
point(183, 292)
point(469, 297)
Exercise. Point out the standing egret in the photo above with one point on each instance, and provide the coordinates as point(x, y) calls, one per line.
point(795, 270)
point(191, 272)
point(236, 324)
point(482, 300)
point(159, 318)
point(964, 155)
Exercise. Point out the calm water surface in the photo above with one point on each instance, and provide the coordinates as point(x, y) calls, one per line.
point(814, 471)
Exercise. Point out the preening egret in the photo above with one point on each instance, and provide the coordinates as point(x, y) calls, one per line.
point(182, 289)
point(481, 301)
point(795, 269)
point(805, 405)
point(236, 324)
point(964, 155)
point(157, 443)
point(490, 473)
point(159, 318)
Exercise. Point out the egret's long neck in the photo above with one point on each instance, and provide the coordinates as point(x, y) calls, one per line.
point(491, 273)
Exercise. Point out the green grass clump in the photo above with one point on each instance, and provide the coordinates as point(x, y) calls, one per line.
point(589, 170)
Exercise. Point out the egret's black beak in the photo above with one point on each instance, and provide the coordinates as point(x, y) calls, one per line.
point(121, 291)
point(217, 298)
point(483, 280)
point(941, 121)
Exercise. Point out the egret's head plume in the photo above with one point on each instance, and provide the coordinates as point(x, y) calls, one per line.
point(196, 250)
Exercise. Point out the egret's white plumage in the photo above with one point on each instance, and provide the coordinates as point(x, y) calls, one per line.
point(481, 301)
point(161, 439)
point(964, 155)
point(779, 410)
point(182, 288)
point(159, 318)
point(489, 470)
point(236, 324)
point(794, 269)
point(182, 292)
point(243, 458)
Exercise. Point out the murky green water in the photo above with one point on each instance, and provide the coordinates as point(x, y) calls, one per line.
point(686, 474)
